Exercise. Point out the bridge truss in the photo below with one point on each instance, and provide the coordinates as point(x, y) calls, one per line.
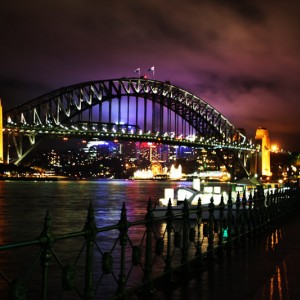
point(134, 109)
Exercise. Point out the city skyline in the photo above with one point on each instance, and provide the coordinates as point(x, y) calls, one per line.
point(241, 58)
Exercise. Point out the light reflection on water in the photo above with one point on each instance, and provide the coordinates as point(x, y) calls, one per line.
point(23, 205)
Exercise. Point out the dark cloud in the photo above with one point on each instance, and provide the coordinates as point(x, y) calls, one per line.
point(12, 87)
point(250, 10)
point(231, 87)
point(247, 84)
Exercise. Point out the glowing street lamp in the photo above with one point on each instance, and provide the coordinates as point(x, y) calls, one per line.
point(274, 148)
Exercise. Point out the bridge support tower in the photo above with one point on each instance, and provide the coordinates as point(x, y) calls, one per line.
point(261, 163)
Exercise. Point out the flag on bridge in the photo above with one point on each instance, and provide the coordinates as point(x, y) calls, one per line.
point(138, 70)
point(152, 70)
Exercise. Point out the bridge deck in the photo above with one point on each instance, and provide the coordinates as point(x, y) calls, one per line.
point(260, 271)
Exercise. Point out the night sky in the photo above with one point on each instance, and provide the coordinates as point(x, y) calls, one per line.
point(242, 57)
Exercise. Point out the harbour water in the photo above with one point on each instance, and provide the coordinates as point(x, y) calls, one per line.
point(23, 205)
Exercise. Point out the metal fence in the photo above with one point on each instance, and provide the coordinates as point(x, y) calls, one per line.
point(131, 258)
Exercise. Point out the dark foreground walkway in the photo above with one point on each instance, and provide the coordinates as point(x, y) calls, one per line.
point(268, 268)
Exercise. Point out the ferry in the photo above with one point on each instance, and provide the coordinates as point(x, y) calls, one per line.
point(192, 195)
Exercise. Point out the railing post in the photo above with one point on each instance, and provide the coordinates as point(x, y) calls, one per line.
point(261, 203)
point(276, 200)
point(46, 238)
point(185, 235)
point(90, 236)
point(271, 208)
point(288, 200)
point(199, 222)
point(254, 213)
point(267, 209)
point(123, 227)
point(148, 252)
point(169, 215)
point(237, 220)
point(262, 209)
point(244, 219)
point(210, 247)
point(279, 204)
point(250, 217)
point(230, 226)
point(222, 227)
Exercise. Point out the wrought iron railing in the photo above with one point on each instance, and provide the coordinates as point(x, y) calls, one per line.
point(131, 257)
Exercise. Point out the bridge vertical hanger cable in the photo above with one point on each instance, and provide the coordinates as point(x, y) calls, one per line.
point(173, 109)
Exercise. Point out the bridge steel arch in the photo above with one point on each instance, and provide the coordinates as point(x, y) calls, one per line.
point(127, 108)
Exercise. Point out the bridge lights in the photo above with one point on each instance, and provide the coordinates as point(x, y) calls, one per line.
point(191, 138)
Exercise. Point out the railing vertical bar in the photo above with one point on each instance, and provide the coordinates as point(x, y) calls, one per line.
point(210, 247)
point(198, 253)
point(230, 225)
point(147, 280)
point(46, 238)
point(221, 227)
point(185, 235)
point(90, 236)
point(245, 219)
point(169, 220)
point(123, 227)
point(237, 220)
point(250, 218)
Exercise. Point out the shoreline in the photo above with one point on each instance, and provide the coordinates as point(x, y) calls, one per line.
point(25, 178)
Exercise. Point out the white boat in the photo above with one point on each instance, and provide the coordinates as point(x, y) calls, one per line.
point(192, 195)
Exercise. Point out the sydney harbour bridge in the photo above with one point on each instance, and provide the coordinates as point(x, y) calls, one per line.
point(134, 109)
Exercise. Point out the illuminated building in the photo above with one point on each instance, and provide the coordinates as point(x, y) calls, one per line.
point(263, 160)
point(149, 151)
